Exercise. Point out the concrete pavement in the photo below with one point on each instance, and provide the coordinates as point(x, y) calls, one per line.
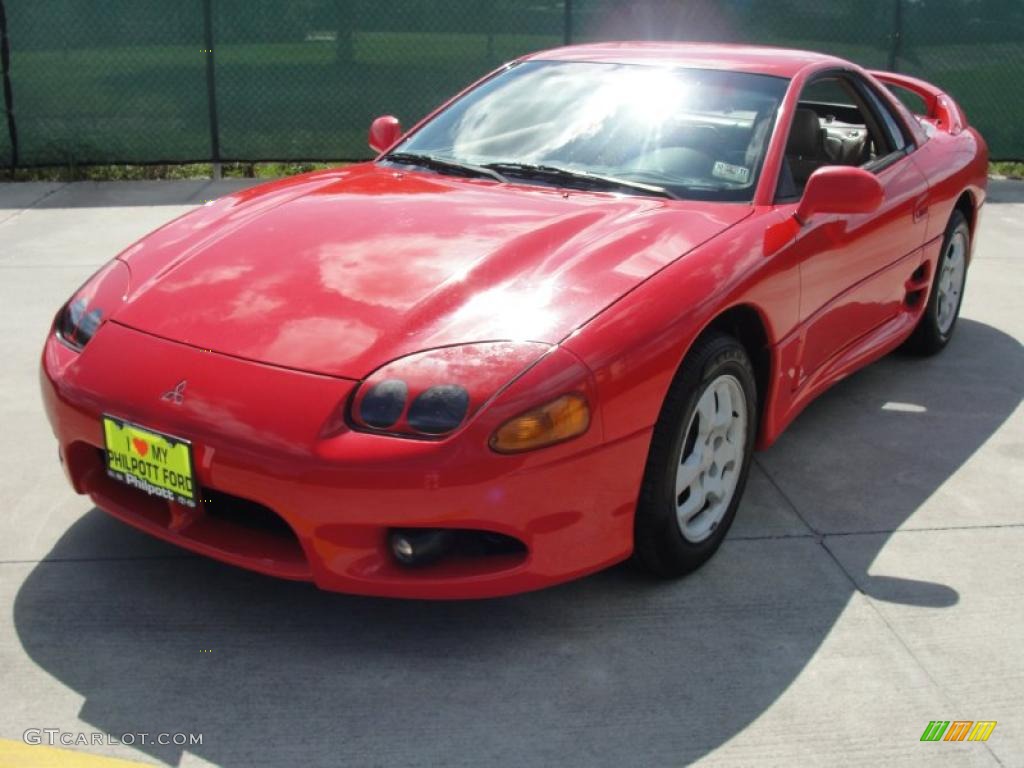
point(871, 583)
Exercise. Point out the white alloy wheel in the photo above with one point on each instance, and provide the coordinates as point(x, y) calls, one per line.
point(711, 458)
point(951, 281)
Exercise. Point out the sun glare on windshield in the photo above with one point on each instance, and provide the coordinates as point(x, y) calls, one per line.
point(695, 133)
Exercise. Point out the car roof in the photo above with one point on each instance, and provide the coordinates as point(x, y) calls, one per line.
point(758, 59)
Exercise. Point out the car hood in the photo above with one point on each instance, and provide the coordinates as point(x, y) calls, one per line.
point(340, 271)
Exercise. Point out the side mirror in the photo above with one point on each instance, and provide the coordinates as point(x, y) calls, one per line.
point(384, 131)
point(840, 189)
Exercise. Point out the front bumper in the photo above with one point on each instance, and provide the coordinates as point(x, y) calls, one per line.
point(275, 441)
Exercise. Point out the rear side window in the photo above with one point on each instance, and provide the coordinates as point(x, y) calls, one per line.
point(897, 136)
point(909, 99)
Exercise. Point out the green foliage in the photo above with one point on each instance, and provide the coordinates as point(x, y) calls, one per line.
point(1009, 170)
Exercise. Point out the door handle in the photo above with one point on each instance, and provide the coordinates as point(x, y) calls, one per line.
point(920, 209)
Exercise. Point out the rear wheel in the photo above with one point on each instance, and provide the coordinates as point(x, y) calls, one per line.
point(699, 458)
point(935, 328)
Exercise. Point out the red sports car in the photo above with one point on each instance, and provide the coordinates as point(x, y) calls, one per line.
point(540, 333)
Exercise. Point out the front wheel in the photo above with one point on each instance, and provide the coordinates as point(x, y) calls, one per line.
point(935, 328)
point(699, 458)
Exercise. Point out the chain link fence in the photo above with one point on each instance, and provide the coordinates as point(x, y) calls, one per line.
point(154, 81)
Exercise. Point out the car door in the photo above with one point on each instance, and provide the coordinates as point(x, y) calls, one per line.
point(853, 268)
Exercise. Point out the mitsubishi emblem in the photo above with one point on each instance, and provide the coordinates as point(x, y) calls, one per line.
point(176, 395)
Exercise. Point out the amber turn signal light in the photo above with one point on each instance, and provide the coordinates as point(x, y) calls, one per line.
point(561, 419)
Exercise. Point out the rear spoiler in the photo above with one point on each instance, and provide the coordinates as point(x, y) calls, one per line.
point(941, 110)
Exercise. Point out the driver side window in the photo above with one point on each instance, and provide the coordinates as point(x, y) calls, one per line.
point(832, 125)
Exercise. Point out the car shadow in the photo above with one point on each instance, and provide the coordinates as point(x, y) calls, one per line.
point(591, 673)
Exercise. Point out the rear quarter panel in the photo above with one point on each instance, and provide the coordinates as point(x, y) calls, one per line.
point(952, 155)
point(953, 164)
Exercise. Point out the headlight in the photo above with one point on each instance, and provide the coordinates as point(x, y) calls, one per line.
point(430, 394)
point(383, 405)
point(92, 304)
point(439, 409)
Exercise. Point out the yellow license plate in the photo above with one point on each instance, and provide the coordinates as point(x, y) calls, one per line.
point(153, 462)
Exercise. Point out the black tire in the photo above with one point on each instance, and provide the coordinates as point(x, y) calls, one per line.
point(929, 337)
point(659, 543)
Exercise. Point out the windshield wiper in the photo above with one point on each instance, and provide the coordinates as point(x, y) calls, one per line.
point(557, 173)
point(444, 164)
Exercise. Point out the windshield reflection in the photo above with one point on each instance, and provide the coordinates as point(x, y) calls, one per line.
point(698, 133)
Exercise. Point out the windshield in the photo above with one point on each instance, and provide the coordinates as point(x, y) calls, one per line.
point(692, 133)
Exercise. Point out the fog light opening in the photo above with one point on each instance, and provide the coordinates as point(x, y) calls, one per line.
point(414, 547)
point(420, 547)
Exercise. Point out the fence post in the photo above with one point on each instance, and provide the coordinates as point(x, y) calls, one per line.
point(344, 40)
point(567, 22)
point(896, 35)
point(5, 68)
point(211, 87)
